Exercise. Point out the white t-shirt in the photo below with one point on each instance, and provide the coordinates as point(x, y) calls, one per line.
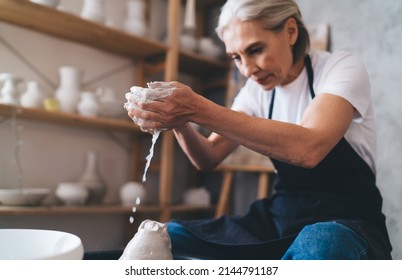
point(338, 73)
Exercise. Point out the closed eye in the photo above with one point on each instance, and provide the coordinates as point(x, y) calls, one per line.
point(254, 51)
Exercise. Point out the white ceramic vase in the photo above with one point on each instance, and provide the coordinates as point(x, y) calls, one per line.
point(92, 179)
point(33, 97)
point(10, 93)
point(94, 10)
point(151, 242)
point(188, 39)
point(135, 20)
point(68, 92)
point(88, 105)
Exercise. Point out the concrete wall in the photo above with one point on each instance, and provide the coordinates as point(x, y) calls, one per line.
point(372, 29)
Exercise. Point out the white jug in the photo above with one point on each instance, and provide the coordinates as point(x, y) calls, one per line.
point(68, 92)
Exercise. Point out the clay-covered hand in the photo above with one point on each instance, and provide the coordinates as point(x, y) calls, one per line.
point(168, 112)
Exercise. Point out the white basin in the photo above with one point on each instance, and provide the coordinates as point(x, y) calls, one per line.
point(37, 244)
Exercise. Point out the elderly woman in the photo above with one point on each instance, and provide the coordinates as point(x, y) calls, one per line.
point(311, 113)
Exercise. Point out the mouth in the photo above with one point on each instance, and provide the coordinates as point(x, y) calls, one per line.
point(265, 80)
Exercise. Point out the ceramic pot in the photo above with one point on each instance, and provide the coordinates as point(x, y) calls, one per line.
point(135, 20)
point(33, 97)
point(68, 92)
point(188, 42)
point(50, 3)
point(151, 242)
point(88, 105)
point(10, 93)
point(72, 193)
point(132, 193)
point(197, 196)
point(94, 10)
point(110, 106)
point(207, 47)
point(92, 179)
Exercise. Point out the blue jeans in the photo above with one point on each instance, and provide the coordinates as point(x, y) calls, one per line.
point(320, 241)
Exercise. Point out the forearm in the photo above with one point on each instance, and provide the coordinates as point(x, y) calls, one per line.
point(288, 142)
point(201, 151)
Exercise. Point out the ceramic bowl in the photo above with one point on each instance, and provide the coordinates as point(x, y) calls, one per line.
point(72, 193)
point(24, 197)
point(36, 244)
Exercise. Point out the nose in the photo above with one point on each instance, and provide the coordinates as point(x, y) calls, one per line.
point(249, 67)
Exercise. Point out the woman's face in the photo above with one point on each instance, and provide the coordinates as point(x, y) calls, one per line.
point(262, 55)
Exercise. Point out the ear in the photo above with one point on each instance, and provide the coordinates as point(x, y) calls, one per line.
point(292, 30)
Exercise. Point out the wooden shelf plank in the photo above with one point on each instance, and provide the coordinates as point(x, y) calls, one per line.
point(96, 209)
point(71, 27)
point(65, 210)
point(68, 119)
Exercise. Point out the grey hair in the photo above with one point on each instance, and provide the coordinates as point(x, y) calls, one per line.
point(272, 13)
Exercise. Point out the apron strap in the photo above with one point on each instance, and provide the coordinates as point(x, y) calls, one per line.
point(310, 77)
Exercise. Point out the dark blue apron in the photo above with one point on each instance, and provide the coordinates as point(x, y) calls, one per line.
point(340, 188)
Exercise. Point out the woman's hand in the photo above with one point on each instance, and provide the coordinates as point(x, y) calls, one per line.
point(166, 113)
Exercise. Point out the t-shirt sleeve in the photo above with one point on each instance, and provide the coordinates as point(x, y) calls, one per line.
point(345, 75)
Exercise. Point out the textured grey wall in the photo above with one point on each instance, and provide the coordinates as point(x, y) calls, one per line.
point(372, 29)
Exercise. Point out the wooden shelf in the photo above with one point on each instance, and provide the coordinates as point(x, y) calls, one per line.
point(73, 28)
point(98, 209)
point(159, 56)
point(68, 119)
point(200, 65)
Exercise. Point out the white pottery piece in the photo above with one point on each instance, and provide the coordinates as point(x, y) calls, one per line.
point(197, 196)
point(110, 106)
point(135, 19)
point(10, 93)
point(132, 193)
point(151, 242)
point(92, 179)
point(50, 3)
point(188, 39)
point(94, 10)
point(72, 193)
point(88, 105)
point(23, 197)
point(188, 42)
point(68, 92)
point(189, 15)
point(207, 47)
point(33, 97)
